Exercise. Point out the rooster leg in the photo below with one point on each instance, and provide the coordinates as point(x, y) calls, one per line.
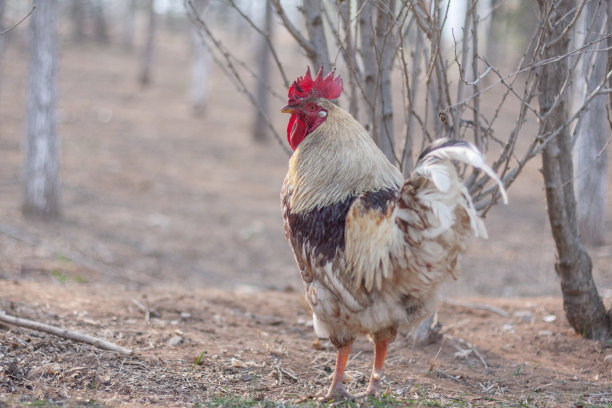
point(337, 390)
point(380, 351)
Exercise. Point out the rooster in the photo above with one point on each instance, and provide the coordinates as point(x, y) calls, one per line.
point(371, 247)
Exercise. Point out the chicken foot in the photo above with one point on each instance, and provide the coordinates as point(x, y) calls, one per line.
point(380, 352)
point(336, 390)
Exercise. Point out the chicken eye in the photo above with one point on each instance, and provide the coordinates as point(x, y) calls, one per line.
point(311, 107)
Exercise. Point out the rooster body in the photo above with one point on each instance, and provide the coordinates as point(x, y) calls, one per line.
point(371, 247)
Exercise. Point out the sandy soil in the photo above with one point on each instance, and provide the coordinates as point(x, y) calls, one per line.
point(171, 244)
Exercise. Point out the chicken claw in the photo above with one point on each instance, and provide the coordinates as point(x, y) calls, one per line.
point(337, 392)
point(380, 352)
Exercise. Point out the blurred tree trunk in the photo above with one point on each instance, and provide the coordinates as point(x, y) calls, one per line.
point(312, 11)
point(593, 132)
point(413, 89)
point(263, 72)
point(494, 49)
point(77, 17)
point(146, 61)
point(127, 31)
point(609, 30)
point(350, 56)
point(2, 38)
point(41, 170)
point(609, 66)
point(199, 64)
point(378, 50)
point(100, 22)
point(583, 307)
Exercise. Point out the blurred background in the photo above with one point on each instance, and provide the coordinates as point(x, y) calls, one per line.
point(169, 174)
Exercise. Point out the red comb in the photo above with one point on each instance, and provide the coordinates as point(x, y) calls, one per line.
point(319, 87)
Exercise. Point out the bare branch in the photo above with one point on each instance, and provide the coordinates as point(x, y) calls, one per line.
point(478, 306)
point(538, 64)
point(266, 37)
point(465, 51)
point(20, 21)
point(569, 26)
point(306, 45)
point(539, 144)
point(368, 35)
point(231, 69)
point(66, 334)
point(411, 89)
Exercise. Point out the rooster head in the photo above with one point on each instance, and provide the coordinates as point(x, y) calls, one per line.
point(304, 103)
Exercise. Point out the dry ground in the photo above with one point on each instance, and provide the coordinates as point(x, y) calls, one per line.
point(260, 346)
point(171, 245)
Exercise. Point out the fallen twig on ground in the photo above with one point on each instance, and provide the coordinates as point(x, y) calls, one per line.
point(481, 358)
point(479, 306)
point(64, 333)
point(470, 349)
point(284, 372)
point(432, 364)
point(441, 373)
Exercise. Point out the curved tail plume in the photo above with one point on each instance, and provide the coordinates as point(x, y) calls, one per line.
point(431, 163)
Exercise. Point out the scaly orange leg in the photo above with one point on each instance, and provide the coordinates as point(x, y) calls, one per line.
point(380, 352)
point(337, 390)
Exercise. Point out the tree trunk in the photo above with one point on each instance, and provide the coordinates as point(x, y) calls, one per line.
point(41, 148)
point(77, 17)
point(583, 306)
point(263, 81)
point(609, 30)
point(412, 91)
point(368, 58)
point(127, 31)
point(147, 52)
point(594, 132)
point(312, 9)
point(100, 23)
point(385, 48)
point(199, 64)
point(2, 38)
point(350, 58)
point(377, 51)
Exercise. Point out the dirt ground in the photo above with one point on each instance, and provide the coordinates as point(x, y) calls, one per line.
point(171, 245)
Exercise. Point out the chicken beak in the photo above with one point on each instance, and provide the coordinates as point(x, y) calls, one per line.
point(287, 109)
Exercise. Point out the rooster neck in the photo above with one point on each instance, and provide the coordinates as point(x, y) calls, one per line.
point(338, 160)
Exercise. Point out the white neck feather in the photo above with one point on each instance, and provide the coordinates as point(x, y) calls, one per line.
point(337, 160)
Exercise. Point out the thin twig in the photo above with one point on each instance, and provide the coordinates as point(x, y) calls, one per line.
point(447, 375)
point(20, 21)
point(538, 64)
point(433, 362)
point(306, 45)
point(283, 371)
point(233, 73)
point(354, 357)
point(541, 387)
point(266, 37)
point(470, 349)
point(143, 308)
point(568, 27)
point(479, 306)
point(481, 358)
point(64, 333)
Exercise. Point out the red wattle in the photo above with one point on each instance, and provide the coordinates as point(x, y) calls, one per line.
point(290, 125)
point(296, 131)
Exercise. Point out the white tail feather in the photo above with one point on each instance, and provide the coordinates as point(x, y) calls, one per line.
point(432, 165)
